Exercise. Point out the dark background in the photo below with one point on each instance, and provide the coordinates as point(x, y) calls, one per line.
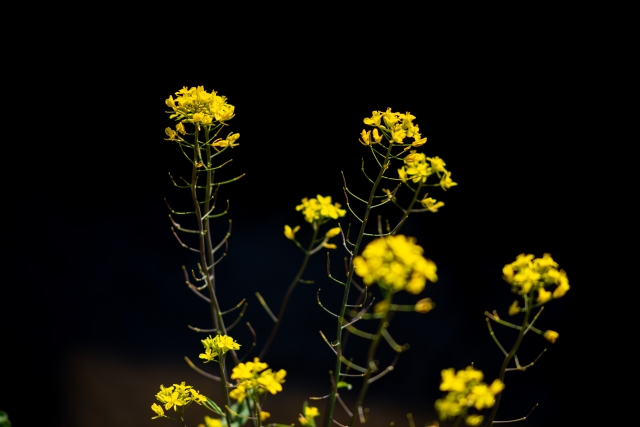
point(96, 309)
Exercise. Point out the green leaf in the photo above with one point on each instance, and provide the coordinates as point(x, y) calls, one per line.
point(4, 419)
point(243, 411)
point(211, 405)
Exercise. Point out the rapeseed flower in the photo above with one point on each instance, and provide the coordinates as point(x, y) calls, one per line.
point(395, 263)
point(528, 274)
point(253, 378)
point(320, 209)
point(216, 346)
point(418, 168)
point(211, 422)
point(175, 396)
point(466, 389)
point(196, 105)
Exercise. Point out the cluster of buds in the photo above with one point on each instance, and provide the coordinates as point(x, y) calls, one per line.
point(396, 263)
point(466, 389)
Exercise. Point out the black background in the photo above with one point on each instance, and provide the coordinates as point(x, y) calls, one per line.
point(93, 284)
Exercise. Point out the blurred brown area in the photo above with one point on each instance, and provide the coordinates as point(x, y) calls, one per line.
point(110, 389)
point(106, 389)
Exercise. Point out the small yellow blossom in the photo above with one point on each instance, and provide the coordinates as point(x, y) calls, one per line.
point(171, 134)
point(180, 128)
point(329, 246)
point(528, 274)
point(376, 136)
point(365, 137)
point(381, 307)
point(514, 308)
point(332, 233)
point(198, 106)
point(543, 295)
point(425, 305)
point(230, 141)
point(310, 412)
point(158, 410)
point(216, 346)
point(446, 182)
point(254, 377)
point(264, 415)
point(418, 141)
point(474, 420)
point(551, 336)
point(431, 204)
point(374, 120)
point(290, 233)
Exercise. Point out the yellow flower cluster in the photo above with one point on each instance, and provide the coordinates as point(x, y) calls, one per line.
point(320, 209)
point(196, 105)
point(527, 274)
point(174, 396)
point(216, 346)
point(395, 263)
point(418, 167)
point(255, 377)
point(310, 412)
point(466, 389)
point(394, 126)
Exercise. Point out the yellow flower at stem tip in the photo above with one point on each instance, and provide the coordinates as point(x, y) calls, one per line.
point(425, 305)
point(211, 422)
point(216, 346)
point(474, 420)
point(431, 204)
point(264, 415)
point(158, 410)
point(329, 246)
point(332, 233)
point(551, 336)
point(291, 233)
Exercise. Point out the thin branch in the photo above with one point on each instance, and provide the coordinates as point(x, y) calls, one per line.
point(239, 317)
point(323, 307)
point(328, 343)
point(524, 368)
point(518, 419)
point(184, 230)
point(493, 335)
point(201, 330)
point(200, 371)
point(234, 308)
point(266, 307)
point(224, 239)
point(253, 345)
point(182, 244)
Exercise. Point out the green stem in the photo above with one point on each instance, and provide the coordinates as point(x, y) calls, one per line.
point(292, 286)
point(407, 212)
point(384, 323)
point(345, 298)
point(508, 358)
point(225, 388)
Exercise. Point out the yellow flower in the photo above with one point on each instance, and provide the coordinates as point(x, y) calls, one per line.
point(514, 308)
point(218, 345)
point(332, 233)
point(230, 141)
point(381, 307)
point(418, 141)
point(446, 182)
point(365, 137)
point(543, 295)
point(158, 410)
point(239, 393)
point(197, 397)
point(474, 420)
point(171, 134)
point(329, 246)
point(437, 164)
point(320, 209)
point(551, 336)
point(431, 204)
point(395, 263)
point(180, 128)
point(376, 136)
point(425, 305)
point(211, 422)
point(289, 233)
point(311, 412)
point(374, 120)
point(271, 382)
point(264, 415)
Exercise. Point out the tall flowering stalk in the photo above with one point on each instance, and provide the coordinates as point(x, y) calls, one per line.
point(392, 139)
